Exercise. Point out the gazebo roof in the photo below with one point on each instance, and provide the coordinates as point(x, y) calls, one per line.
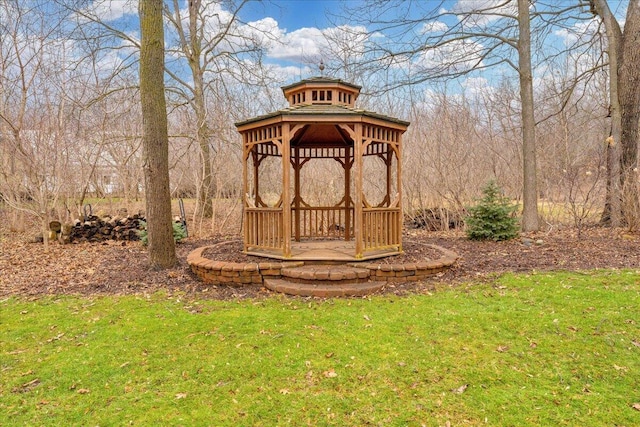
point(320, 81)
point(321, 99)
point(306, 111)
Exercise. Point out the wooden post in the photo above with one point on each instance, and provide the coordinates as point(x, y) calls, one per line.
point(286, 196)
point(399, 188)
point(388, 161)
point(357, 170)
point(348, 162)
point(296, 199)
point(256, 180)
point(245, 187)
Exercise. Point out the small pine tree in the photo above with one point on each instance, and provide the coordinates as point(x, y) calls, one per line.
point(179, 232)
point(492, 218)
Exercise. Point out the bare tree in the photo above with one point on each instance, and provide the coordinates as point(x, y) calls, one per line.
point(215, 44)
point(209, 49)
point(529, 163)
point(447, 43)
point(612, 210)
point(629, 93)
point(33, 143)
point(624, 94)
point(155, 137)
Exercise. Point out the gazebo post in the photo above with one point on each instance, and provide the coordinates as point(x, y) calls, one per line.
point(245, 188)
point(286, 196)
point(357, 208)
point(256, 177)
point(348, 162)
point(296, 197)
point(399, 187)
point(388, 161)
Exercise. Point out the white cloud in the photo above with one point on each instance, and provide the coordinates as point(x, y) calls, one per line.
point(477, 86)
point(302, 46)
point(298, 44)
point(312, 43)
point(483, 12)
point(434, 27)
point(579, 31)
point(455, 56)
point(288, 73)
point(265, 30)
point(112, 10)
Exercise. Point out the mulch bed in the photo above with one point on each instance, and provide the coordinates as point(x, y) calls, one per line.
point(118, 268)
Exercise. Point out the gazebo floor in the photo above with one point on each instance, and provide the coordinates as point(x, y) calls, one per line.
point(325, 251)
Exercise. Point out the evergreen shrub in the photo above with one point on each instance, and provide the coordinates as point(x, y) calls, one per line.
point(492, 218)
point(179, 232)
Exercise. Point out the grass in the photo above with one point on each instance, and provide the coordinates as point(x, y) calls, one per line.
point(541, 349)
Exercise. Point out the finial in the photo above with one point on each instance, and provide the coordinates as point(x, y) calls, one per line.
point(321, 66)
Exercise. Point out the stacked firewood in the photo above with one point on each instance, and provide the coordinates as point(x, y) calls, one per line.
point(436, 219)
point(97, 229)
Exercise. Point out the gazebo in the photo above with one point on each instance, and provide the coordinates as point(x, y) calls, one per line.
point(322, 123)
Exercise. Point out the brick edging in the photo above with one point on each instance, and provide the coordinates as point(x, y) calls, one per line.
point(239, 274)
point(234, 273)
point(410, 272)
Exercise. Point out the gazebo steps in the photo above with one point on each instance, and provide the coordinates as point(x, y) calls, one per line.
point(325, 273)
point(324, 281)
point(323, 289)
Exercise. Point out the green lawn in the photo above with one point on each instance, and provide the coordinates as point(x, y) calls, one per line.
point(543, 349)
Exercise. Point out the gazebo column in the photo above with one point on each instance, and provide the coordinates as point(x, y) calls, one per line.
point(388, 162)
point(357, 208)
point(286, 192)
point(348, 163)
point(245, 188)
point(399, 185)
point(296, 197)
point(256, 179)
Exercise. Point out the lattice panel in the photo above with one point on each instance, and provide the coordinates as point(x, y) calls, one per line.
point(268, 149)
point(324, 153)
point(264, 134)
point(381, 134)
point(376, 148)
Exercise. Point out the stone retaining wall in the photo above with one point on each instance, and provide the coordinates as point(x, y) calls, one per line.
point(233, 273)
point(216, 272)
point(409, 272)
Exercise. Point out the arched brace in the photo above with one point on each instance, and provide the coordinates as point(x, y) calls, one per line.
point(296, 129)
point(349, 130)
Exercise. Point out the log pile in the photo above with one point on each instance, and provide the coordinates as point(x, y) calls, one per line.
point(96, 229)
point(436, 219)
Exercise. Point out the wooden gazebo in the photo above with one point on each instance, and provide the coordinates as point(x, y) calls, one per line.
point(322, 122)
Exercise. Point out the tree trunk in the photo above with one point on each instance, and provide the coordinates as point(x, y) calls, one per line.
point(205, 204)
point(530, 220)
point(629, 92)
point(612, 212)
point(155, 139)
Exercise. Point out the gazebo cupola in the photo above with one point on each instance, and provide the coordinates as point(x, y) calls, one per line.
point(321, 91)
point(322, 125)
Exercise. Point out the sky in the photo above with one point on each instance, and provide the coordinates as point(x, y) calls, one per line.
point(300, 25)
point(298, 29)
point(293, 14)
point(303, 22)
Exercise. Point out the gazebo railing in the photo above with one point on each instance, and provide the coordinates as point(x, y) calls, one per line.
point(322, 222)
point(381, 228)
point(264, 228)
